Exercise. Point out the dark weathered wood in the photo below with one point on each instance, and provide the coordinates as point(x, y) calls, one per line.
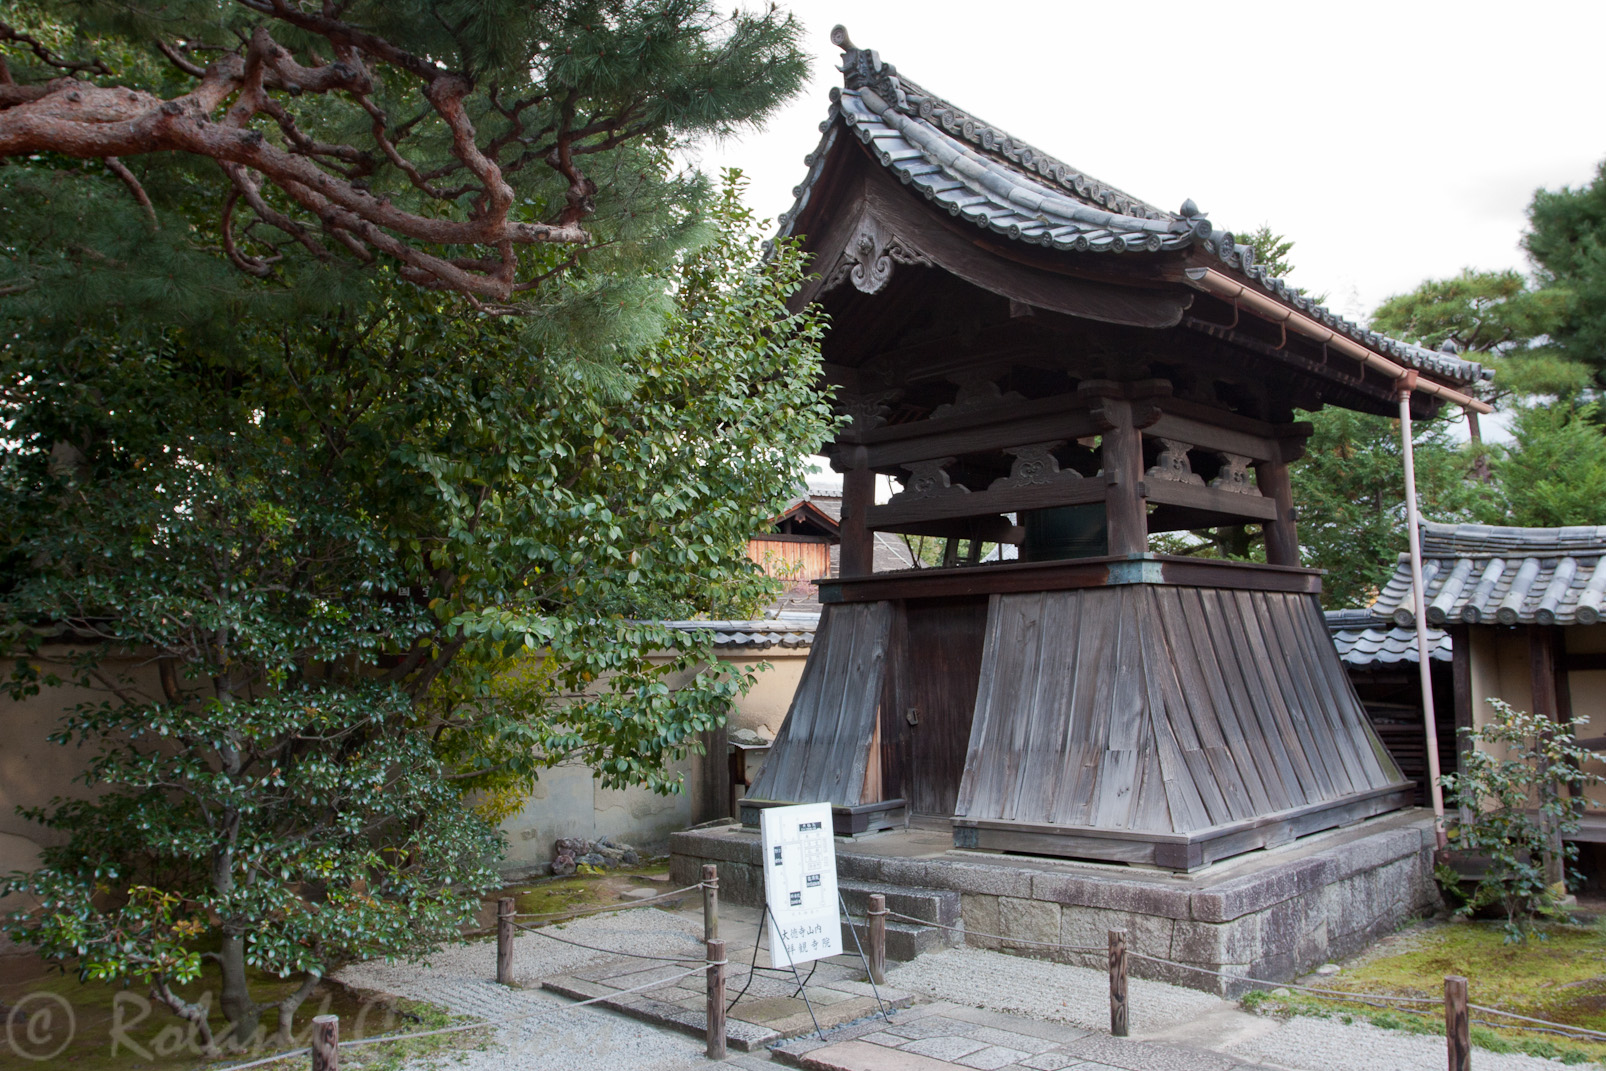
point(1118, 1008)
point(986, 431)
point(714, 799)
point(1214, 430)
point(936, 700)
point(1223, 503)
point(1457, 1023)
point(1281, 528)
point(1064, 575)
point(710, 902)
point(876, 930)
point(326, 1043)
point(1121, 455)
point(1182, 851)
point(1068, 492)
point(504, 940)
point(716, 1000)
point(857, 557)
point(822, 751)
point(1106, 709)
point(1542, 680)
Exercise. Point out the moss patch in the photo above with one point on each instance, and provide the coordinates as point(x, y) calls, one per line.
point(1559, 975)
point(112, 1026)
point(555, 896)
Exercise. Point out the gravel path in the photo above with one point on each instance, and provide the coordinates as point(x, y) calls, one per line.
point(1040, 989)
point(557, 1036)
point(557, 1033)
point(1329, 1045)
point(1079, 996)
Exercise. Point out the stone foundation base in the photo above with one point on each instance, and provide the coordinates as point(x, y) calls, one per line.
point(1272, 915)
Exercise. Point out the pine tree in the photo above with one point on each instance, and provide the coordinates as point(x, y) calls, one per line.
point(479, 148)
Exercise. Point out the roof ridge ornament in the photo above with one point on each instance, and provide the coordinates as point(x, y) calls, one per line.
point(862, 68)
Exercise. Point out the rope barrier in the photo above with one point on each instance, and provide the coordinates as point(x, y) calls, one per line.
point(1581, 1031)
point(1101, 950)
point(1376, 1000)
point(605, 951)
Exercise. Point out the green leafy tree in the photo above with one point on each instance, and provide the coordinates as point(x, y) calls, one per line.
point(1566, 240)
point(1271, 250)
point(1350, 490)
point(365, 565)
point(1494, 317)
point(1515, 813)
point(1553, 472)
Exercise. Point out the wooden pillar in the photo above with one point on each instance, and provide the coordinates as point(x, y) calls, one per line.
point(1461, 688)
point(504, 941)
point(710, 902)
point(1457, 1024)
point(876, 926)
point(1271, 477)
point(1282, 534)
point(1118, 1007)
point(326, 1043)
point(1121, 455)
point(716, 1000)
point(858, 495)
point(714, 787)
point(1542, 679)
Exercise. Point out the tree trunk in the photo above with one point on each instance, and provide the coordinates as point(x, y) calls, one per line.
point(290, 1005)
point(242, 1015)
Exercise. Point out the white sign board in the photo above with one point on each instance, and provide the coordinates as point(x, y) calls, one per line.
point(800, 883)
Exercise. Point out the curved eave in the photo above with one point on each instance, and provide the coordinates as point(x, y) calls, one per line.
point(1239, 262)
point(978, 189)
point(1032, 199)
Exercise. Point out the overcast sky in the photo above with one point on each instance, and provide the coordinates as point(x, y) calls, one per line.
point(1392, 142)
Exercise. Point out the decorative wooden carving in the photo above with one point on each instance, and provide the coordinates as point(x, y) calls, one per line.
point(1034, 465)
point(929, 480)
point(867, 260)
point(1172, 464)
point(975, 393)
point(1234, 475)
point(866, 411)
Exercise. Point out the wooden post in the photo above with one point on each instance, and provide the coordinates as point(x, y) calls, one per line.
point(858, 495)
point(326, 1043)
point(710, 902)
point(1542, 681)
point(1457, 1027)
point(1282, 531)
point(1121, 455)
point(504, 940)
point(1118, 983)
point(876, 914)
point(716, 1000)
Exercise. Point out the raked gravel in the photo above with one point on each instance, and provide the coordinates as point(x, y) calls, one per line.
point(1079, 996)
point(558, 1036)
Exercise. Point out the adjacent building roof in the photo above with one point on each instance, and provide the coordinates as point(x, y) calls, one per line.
point(982, 174)
point(1476, 574)
point(1365, 640)
point(786, 630)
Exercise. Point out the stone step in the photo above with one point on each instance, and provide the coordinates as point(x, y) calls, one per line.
point(905, 940)
point(928, 905)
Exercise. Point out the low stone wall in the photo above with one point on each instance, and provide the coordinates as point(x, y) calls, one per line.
point(1272, 915)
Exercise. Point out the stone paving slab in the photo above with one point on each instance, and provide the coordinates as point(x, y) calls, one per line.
point(949, 1037)
point(740, 1035)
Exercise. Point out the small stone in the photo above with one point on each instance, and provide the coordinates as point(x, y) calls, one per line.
point(1327, 970)
point(638, 894)
point(1282, 991)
